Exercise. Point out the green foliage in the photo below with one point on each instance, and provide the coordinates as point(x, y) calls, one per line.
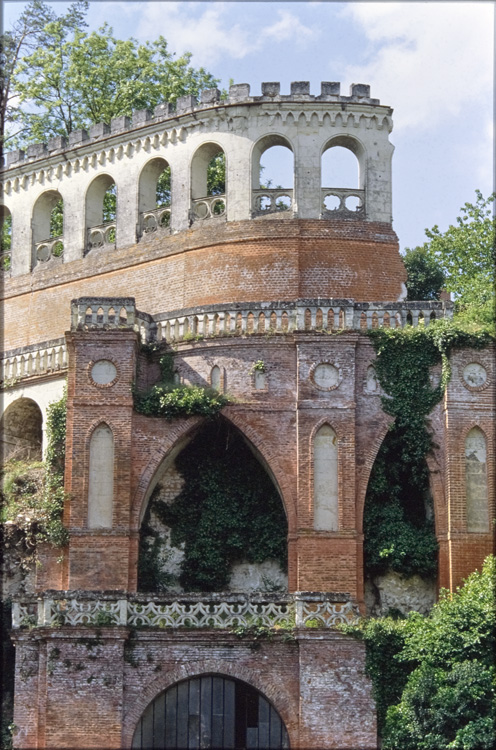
point(26, 34)
point(33, 493)
point(398, 528)
point(216, 175)
point(448, 700)
point(384, 639)
point(433, 676)
point(152, 556)
point(227, 511)
point(466, 254)
point(57, 220)
point(75, 79)
point(425, 276)
point(170, 400)
point(164, 188)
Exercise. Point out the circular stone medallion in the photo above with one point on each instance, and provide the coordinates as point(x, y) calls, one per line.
point(474, 375)
point(326, 376)
point(103, 372)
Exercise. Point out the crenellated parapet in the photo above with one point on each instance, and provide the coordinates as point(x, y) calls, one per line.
point(131, 153)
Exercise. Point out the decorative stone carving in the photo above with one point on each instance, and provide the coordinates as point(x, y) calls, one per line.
point(103, 372)
point(326, 376)
point(474, 376)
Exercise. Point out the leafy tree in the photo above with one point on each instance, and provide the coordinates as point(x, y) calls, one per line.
point(425, 276)
point(25, 36)
point(466, 254)
point(75, 79)
point(448, 701)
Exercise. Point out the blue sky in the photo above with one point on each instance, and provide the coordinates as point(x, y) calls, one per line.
point(432, 62)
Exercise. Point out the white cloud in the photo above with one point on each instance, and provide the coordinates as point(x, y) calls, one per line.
point(288, 27)
point(429, 59)
point(199, 28)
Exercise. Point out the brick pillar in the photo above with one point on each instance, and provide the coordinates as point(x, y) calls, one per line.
point(99, 556)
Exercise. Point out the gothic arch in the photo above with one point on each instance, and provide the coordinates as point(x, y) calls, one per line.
point(277, 695)
point(363, 475)
point(175, 440)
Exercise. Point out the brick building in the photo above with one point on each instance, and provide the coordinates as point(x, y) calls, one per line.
point(263, 294)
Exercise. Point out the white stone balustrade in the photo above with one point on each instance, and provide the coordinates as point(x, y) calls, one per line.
point(267, 201)
point(186, 610)
point(345, 205)
point(31, 361)
point(100, 236)
point(208, 207)
point(157, 220)
point(302, 315)
point(50, 248)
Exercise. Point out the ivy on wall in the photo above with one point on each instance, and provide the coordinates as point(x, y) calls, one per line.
point(171, 400)
point(228, 511)
point(398, 520)
point(33, 492)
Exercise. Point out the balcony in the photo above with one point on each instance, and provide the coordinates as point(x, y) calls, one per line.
point(209, 207)
point(223, 611)
point(101, 237)
point(50, 248)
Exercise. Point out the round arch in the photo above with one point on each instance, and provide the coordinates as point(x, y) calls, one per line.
point(259, 148)
point(210, 710)
point(356, 147)
point(22, 430)
point(148, 180)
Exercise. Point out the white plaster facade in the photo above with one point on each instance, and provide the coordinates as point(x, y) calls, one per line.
point(243, 126)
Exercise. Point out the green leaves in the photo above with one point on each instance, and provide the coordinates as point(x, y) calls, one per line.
point(425, 275)
point(448, 701)
point(466, 255)
point(75, 79)
point(228, 510)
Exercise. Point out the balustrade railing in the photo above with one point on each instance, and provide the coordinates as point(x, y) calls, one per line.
point(186, 610)
point(50, 248)
point(102, 235)
point(92, 313)
point(41, 359)
point(300, 315)
point(156, 220)
point(209, 207)
point(89, 313)
point(271, 200)
point(343, 203)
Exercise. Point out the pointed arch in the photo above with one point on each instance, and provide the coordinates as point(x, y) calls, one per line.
point(101, 477)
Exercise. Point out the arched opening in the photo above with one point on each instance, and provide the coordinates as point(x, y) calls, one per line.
point(400, 546)
point(48, 227)
point(154, 199)
point(343, 178)
point(101, 212)
point(5, 239)
point(210, 711)
point(215, 520)
point(272, 176)
point(101, 478)
point(208, 182)
point(325, 479)
point(22, 431)
point(476, 481)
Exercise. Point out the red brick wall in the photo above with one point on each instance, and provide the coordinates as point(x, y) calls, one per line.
point(242, 261)
point(87, 689)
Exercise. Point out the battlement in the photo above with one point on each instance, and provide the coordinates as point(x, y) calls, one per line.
point(131, 154)
point(210, 98)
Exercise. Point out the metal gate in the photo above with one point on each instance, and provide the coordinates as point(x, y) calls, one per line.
point(210, 712)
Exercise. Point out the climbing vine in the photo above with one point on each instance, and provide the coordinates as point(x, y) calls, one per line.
point(171, 400)
point(398, 522)
point(228, 510)
point(33, 493)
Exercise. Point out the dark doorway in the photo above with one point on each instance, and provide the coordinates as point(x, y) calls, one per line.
point(210, 712)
